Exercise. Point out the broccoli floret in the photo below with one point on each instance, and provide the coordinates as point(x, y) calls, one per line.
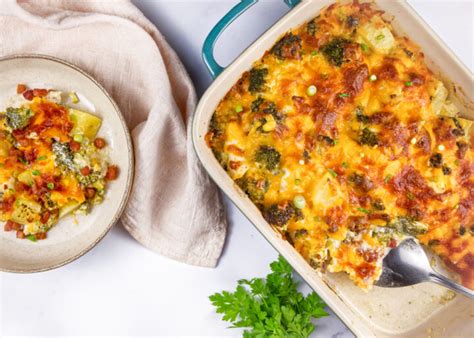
point(334, 51)
point(255, 106)
point(288, 46)
point(436, 160)
point(408, 226)
point(257, 79)
point(267, 156)
point(64, 157)
point(311, 27)
point(360, 115)
point(253, 187)
point(368, 137)
point(279, 215)
point(18, 118)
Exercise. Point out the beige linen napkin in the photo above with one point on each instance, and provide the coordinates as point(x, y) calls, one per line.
point(174, 208)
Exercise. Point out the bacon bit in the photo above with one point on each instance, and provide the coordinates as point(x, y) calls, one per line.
point(112, 173)
point(424, 142)
point(20, 234)
point(387, 71)
point(40, 236)
point(28, 94)
point(9, 226)
point(45, 217)
point(15, 226)
point(383, 216)
point(392, 243)
point(75, 146)
point(21, 187)
point(354, 78)
point(234, 149)
point(7, 204)
point(357, 223)
point(301, 106)
point(442, 130)
point(99, 143)
point(370, 255)
point(31, 154)
point(85, 171)
point(465, 173)
point(234, 165)
point(40, 92)
point(335, 217)
point(364, 270)
point(20, 88)
point(462, 149)
point(90, 193)
point(416, 79)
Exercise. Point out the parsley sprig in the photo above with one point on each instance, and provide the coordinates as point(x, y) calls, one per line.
point(271, 306)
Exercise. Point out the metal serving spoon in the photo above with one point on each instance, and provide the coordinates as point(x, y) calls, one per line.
point(407, 264)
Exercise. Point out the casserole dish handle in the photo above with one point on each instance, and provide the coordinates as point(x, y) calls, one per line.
point(208, 47)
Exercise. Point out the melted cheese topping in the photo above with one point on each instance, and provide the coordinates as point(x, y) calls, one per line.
point(346, 142)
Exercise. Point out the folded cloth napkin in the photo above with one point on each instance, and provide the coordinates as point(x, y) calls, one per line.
point(174, 208)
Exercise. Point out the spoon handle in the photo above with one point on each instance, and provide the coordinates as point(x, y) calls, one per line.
point(444, 281)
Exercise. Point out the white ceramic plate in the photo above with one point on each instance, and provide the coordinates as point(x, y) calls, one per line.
point(73, 236)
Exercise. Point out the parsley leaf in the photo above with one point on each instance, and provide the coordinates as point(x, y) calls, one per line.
point(271, 306)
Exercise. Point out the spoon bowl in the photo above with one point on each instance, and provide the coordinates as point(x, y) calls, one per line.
point(407, 264)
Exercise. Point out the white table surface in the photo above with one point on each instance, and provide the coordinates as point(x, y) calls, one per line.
point(121, 288)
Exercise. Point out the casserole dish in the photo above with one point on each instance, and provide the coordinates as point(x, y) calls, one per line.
point(418, 311)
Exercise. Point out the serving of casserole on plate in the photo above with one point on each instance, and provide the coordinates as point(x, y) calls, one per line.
point(61, 163)
point(345, 138)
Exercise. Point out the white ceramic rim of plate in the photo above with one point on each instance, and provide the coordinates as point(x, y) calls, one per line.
point(131, 162)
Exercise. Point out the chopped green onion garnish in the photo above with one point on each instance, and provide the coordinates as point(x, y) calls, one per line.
point(408, 83)
point(317, 219)
point(31, 238)
point(373, 77)
point(314, 52)
point(41, 158)
point(364, 47)
point(312, 90)
point(387, 178)
point(345, 165)
point(297, 181)
point(299, 201)
point(78, 138)
point(332, 172)
point(380, 37)
point(365, 211)
point(22, 160)
point(343, 95)
point(238, 108)
point(36, 172)
point(50, 185)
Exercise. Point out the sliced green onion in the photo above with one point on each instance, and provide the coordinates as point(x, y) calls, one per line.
point(343, 95)
point(36, 172)
point(364, 47)
point(380, 37)
point(408, 83)
point(373, 77)
point(297, 181)
point(345, 164)
point(317, 219)
point(41, 158)
point(299, 201)
point(78, 138)
point(365, 211)
point(332, 172)
point(311, 90)
point(238, 108)
point(314, 52)
point(31, 238)
point(50, 185)
point(387, 178)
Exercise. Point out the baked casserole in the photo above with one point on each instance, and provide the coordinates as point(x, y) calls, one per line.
point(348, 143)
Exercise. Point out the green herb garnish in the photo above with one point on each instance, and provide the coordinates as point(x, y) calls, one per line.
point(271, 306)
point(36, 172)
point(387, 178)
point(50, 185)
point(31, 238)
point(42, 158)
point(365, 211)
point(332, 172)
point(343, 95)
